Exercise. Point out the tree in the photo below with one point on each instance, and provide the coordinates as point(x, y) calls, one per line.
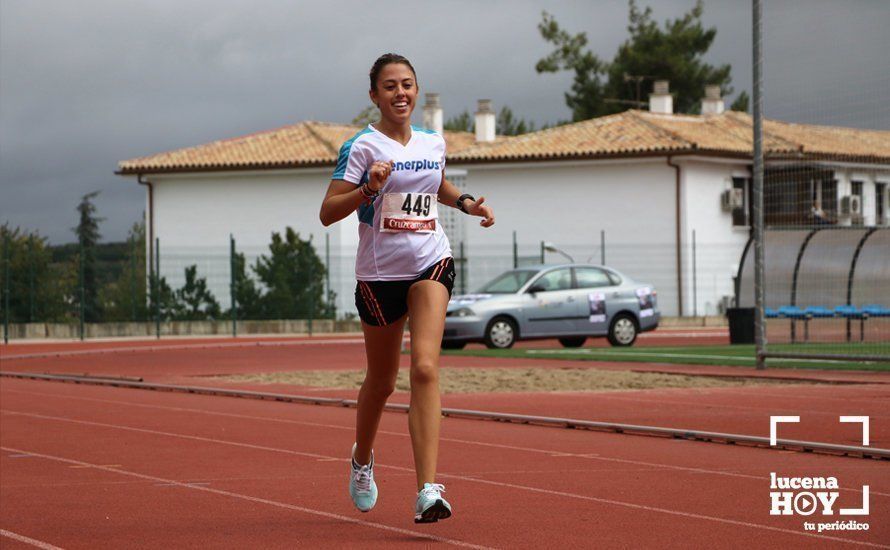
point(38, 289)
point(369, 114)
point(125, 298)
point(740, 103)
point(294, 277)
point(464, 122)
point(247, 297)
point(650, 53)
point(586, 97)
point(162, 299)
point(87, 232)
point(194, 301)
point(509, 125)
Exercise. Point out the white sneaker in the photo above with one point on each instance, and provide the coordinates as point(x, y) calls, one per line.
point(431, 506)
point(362, 488)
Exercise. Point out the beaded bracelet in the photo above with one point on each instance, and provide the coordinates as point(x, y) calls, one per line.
point(367, 193)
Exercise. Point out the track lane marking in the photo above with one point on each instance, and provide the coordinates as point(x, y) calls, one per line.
point(549, 452)
point(676, 512)
point(181, 347)
point(697, 333)
point(250, 498)
point(444, 475)
point(28, 540)
point(789, 408)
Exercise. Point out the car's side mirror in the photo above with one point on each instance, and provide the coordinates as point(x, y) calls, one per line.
point(534, 289)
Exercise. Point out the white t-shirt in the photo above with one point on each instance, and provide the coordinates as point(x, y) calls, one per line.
point(399, 233)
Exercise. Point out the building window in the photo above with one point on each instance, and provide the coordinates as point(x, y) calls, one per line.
point(828, 197)
point(741, 216)
point(793, 195)
point(880, 203)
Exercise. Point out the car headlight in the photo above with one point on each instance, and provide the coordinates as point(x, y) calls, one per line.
point(463, 312)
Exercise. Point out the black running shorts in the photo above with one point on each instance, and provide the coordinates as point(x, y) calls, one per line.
point(380, 303)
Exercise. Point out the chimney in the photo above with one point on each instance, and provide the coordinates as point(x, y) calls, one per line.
point(485, 121)
point(712, 104)
point(432, 113)
point(660, 100)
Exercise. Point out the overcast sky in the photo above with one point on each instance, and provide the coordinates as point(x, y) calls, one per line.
point(88, 83)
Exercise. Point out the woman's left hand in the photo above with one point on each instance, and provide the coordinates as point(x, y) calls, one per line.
point(478, 209)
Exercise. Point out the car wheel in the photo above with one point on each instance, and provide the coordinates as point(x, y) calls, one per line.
point(573, 342)
point(453, 344)
point(623, 330)
point(501, 333)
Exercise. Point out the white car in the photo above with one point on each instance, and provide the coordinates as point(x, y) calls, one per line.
point(570, 302)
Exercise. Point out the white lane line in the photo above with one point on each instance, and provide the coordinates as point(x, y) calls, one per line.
point(676, 512)
point(249, 498)
point(278, 343)
point(652, 400)
point(800, 393)
point(168, 434)
point(460, 477)
point(710, 334)
point(658, 354)
point(548, 452)
point(28, 540)
point(221, 345)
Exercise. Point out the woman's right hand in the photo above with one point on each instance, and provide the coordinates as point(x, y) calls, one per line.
point(378, 174)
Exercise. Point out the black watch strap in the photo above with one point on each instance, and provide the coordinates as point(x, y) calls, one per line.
point(461, 199)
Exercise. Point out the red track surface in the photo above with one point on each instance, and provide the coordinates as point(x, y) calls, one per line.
point(661, 337)
point(85, 466)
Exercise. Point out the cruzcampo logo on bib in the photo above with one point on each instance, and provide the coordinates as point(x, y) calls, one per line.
point(411, 212)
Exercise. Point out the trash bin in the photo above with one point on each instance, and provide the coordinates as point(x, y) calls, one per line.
point(741, 325)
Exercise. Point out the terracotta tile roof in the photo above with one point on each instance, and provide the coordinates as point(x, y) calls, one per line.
point(298, 145)
point(631, 133)
point(637, 133)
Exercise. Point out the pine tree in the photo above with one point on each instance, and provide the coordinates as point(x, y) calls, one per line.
point(125, 298)
point(294, 277)
point(247, 297)
point(650, 53)
point(463, 122)
point(194, 301)
point(509, 125)
point(88, 236)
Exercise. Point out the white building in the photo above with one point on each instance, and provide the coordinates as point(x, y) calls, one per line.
point(647, 183)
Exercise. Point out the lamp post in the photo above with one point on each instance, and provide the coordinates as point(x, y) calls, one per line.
point(550, 248)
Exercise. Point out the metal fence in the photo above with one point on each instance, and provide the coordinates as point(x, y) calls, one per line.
point(818, 271)
point(161, 285)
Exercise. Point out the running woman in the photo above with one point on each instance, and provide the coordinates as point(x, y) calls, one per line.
point(393, 173)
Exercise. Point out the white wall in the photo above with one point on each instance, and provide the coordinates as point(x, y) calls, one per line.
point(845, 177)
point(569, 203)
point(194, 215)
point(719, 245)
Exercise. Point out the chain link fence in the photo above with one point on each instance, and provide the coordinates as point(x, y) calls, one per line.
point(295, 286)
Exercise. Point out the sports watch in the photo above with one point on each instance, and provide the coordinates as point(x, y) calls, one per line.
point(461, 199)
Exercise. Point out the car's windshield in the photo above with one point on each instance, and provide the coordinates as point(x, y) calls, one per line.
point(509, 282)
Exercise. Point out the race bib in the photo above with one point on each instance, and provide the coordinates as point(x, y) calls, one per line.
point(414, 212)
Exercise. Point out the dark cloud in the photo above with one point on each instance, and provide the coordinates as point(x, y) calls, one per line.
point(86, 84)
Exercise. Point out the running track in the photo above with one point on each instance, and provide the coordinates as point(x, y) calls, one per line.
point(86, 466)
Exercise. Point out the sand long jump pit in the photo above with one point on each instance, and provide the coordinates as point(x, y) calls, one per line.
point(512, 380)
